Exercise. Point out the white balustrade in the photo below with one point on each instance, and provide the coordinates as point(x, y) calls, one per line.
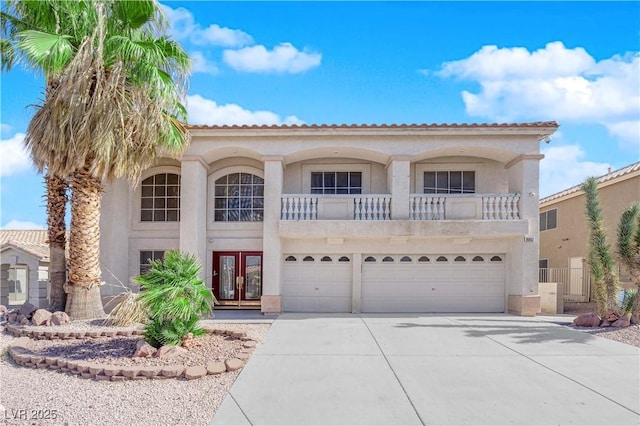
point(372, 207)
point(494, 206)
point(299, 207)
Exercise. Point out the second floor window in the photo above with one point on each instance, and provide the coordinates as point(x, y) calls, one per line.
point(549, 220)
point(450, 182)
point(239, 197)
point(336, 182)
point(160, 200)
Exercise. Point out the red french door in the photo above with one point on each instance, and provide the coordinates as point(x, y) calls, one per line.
point(237, 278)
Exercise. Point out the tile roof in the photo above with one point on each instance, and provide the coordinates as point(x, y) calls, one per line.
point(33, 241)
point(540, 124)
point(602, 179)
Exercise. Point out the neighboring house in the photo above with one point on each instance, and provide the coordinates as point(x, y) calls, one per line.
point(24, 267)
point(327, 218)
point(564, 233)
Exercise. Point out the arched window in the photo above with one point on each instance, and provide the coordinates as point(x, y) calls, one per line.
point(496, 259)
point(239, 198)
point(423, 259)
point(308, 259)
point(344, 259)
point(478, 259)
point(459, 259)
point(326, 259)
point(442, 259)
point(388, 259)
point(290, 259)
point(405, 259)
point(160, 198)
point(370, 259)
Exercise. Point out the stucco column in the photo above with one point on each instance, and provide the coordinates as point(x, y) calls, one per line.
point(271, 300)
point(398, 182)
point(522, 263)
point(193, 209)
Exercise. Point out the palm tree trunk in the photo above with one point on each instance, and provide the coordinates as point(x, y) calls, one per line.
point(83, 298)
point(56, 209)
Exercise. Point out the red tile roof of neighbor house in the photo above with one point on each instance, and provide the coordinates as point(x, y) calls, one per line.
point(620, 173)
point(540, 124)
point(32, 241)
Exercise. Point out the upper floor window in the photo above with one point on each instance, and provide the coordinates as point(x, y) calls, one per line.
point(160, 201)
point(549, 220)
point(336, 182)
point(146, 256)
point(239, 198)
point(450, 182)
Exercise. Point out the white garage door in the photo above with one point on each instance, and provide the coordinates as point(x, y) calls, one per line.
point(317, 283)
point(433, 283)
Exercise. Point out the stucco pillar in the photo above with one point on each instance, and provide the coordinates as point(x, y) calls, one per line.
point(271, 300)
point(193, 209)
point(523, 298)
point(398, 182)
point(114, 237)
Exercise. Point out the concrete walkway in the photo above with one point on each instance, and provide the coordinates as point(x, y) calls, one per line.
point(433, 369)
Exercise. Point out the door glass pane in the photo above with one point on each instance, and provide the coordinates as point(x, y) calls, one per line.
point(227, 277)
point(17, 285)
point(253, 277)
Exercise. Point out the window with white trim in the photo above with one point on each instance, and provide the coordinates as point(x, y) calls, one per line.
point(549, 220)
point(18, 283)
point(239, 197)
point(160, 198)
point(450, 182)
point(146, 256)
point(336, 182)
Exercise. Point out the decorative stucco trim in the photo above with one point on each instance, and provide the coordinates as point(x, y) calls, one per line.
point(523, 157)
point(194, 158)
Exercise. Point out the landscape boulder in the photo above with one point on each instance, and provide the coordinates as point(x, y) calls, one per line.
point(40, 317)
point(169, 351)
point(60, 318)
point(587, 320)
point(3, 310)
point(27, 309)
point(143, 350)
point(622, 322)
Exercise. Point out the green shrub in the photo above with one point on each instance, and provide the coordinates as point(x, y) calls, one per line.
point(627, 301)
point(175, 298)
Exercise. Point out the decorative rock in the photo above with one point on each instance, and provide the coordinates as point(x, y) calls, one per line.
point(172, 371)
point(112, 370)
point(117, 378)
point(3, 310)
point(110, 333)
point(187, 340)
point(218, 332)
point(87, 375)
point(12, 317)
point(612, 317)
point(60, 318)
point(150, 372)
point(249, 344)
point(51, 361)
point(40, 317)
point(25, 321)
point(195, 372)
point(83, 366)
point(21, 342)
point(101, 377)
point(96, 369)
point(168, 351)
point(143, 349)
point(243, 355)
point(605, 323)
point(238, 334)
point(27, 309)
point(587, 320)
point(216, 368)
point(233, 364)
point(62, 363)
point(622, 322)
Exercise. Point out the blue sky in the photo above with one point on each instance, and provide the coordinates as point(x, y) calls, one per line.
point(391, 62)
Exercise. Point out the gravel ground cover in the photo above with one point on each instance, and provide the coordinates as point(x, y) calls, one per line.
point(629, 335)
point(44, 397)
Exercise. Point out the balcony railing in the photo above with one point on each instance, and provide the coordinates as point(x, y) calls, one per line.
point(336, 207)
point(421, 207)
point(464, 206)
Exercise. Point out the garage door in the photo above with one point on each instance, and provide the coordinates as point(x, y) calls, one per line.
point(317, 283)
point(433, 283)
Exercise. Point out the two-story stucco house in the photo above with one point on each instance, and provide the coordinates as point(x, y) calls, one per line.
point(327, 218)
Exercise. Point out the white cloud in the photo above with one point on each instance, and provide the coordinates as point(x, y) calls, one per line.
point(20, 224)
point(202, 64)
point(14, 159)
point(284, 58)
point(5, 128)
point(562, 167)
point(184, 27)
point(204, 111)
point(553, 83)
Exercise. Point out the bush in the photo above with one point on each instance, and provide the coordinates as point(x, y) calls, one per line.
point(175, 298)
point(629, 296)
point(129, 310)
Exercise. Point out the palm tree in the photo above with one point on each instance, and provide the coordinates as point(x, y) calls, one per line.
point(115, 106)
point(601, 260)
point(628, 251)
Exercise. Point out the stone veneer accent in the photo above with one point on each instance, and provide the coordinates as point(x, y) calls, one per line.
point(20, 353)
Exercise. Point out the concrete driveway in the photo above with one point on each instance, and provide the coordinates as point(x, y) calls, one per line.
point(433, 369)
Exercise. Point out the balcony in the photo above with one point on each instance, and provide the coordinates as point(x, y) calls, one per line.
point(422, 207)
